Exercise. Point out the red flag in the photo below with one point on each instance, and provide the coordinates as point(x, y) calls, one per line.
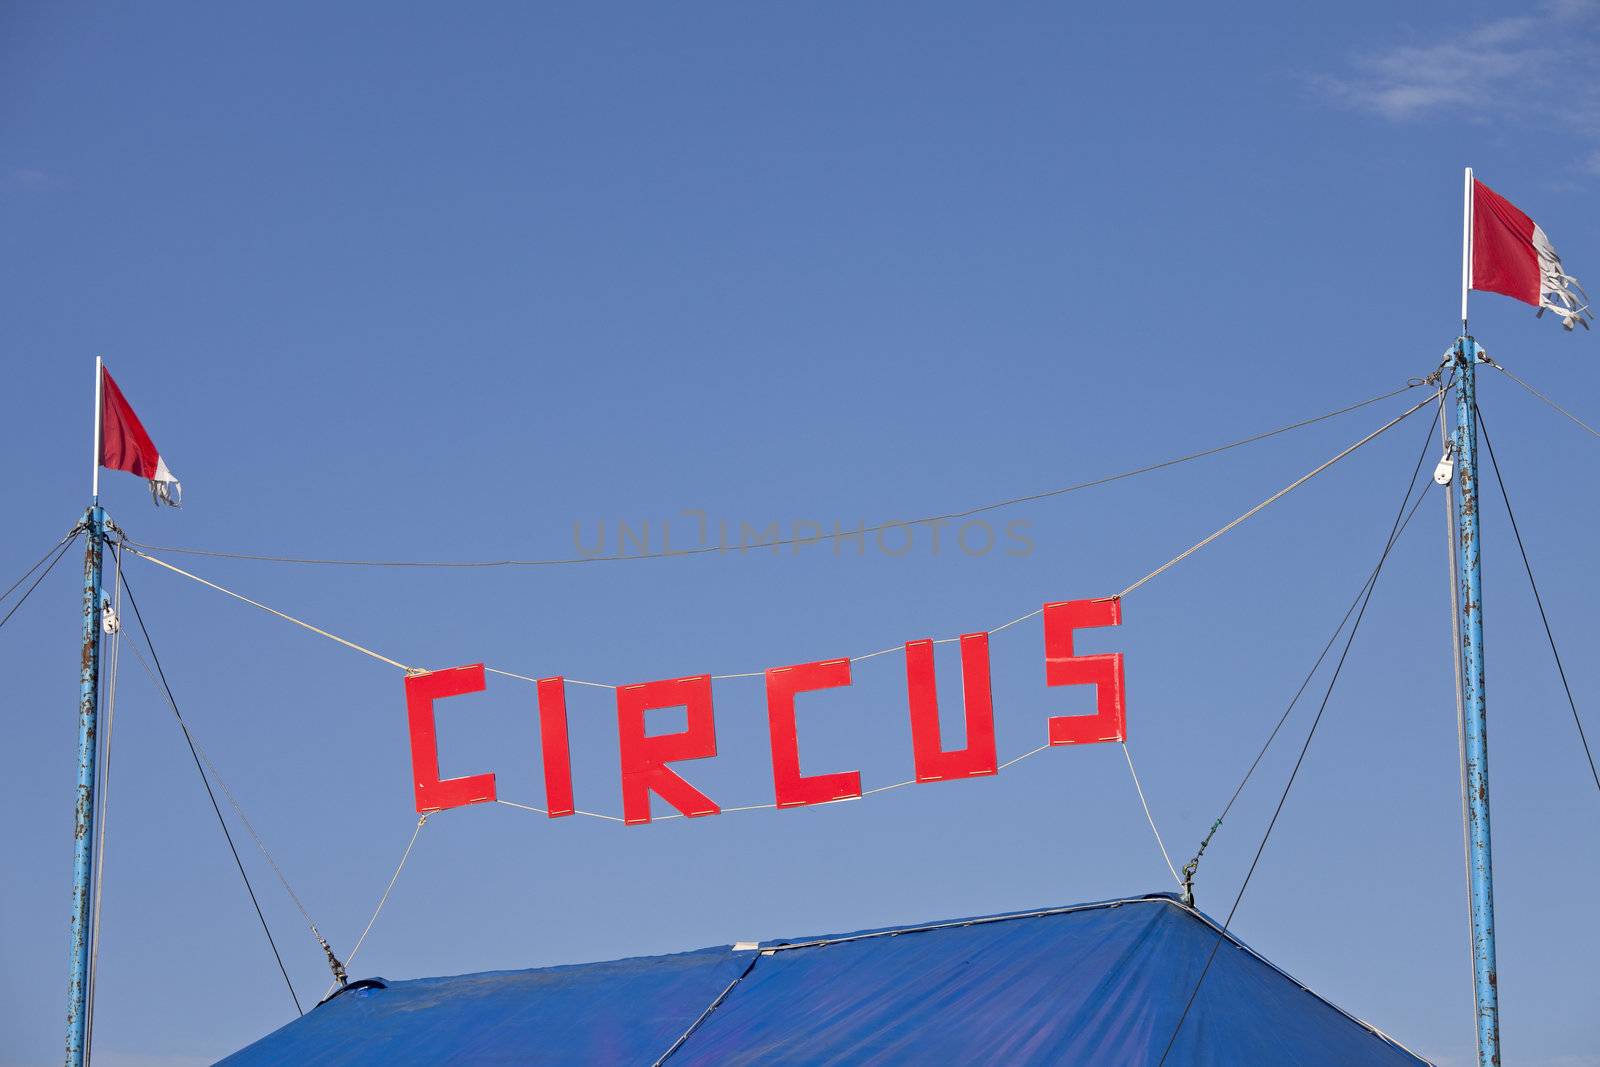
point(125, 446)
point(1512, 255)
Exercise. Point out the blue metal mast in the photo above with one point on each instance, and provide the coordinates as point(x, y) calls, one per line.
point(83, 845)
point(88, 747)
point(1475, 727)
point(1480, 869)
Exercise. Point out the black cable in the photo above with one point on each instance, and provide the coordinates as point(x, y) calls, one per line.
point(173, 703)
point(68, 536)
point(1306, 682)
point(703, 550)
point(23, 599)
point(1402, 519)
point(1537, 599)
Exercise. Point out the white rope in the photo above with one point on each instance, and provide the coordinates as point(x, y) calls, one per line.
point(103, 799)
point(535, 681)
point(1280, 494)
point(885, 788)
point(1019, 759)
point(509, 674)
point(1150, 818)
point(884, 651)
point(762, 674)
point(545, 811)
point(524, 807)
point(891, 650)
point(1019, 618)
point(773, 806)
point(274, 611)
point(853, 659)
point(383, 899)
point(1541, 396)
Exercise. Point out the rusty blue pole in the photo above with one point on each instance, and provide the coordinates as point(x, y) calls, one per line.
point(83, 848)
point(1480, 870)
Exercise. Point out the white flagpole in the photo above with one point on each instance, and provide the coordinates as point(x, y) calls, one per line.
point(1466, 245)
point(99, 376)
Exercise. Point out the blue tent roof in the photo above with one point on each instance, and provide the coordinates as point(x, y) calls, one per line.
point(1096, 983)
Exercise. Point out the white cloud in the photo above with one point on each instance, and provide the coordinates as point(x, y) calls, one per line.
point(1541, 70)
point(29, 178)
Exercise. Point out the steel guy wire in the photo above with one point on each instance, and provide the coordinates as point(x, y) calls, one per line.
point(708, 549)
point(66, 537)
point(223, 823)
point(1286, 490)
point(133, 546)
point(1372, 576)
point(60, 551)
point(1401, 520)
point(1541, 396)
point(334, 963)
point(1192, 867)
point(1538, 600)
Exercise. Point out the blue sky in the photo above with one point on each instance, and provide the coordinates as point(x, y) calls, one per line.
point(409, 283)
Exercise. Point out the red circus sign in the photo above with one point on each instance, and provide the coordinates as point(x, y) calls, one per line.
point(645, 757)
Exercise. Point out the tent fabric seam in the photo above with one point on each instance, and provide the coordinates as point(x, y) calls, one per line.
point(1126, 968)
point(710, 1008)
point(1041, 913)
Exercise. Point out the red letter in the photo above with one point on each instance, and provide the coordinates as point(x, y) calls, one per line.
point(1104, 672)
point(644, 758)
point(553, 746)
point(933, 763)
point(421, 691)
point(793, 789)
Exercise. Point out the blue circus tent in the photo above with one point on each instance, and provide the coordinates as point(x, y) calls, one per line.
point(1097, 984)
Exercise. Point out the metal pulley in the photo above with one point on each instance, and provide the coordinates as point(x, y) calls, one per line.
point(1446, 469)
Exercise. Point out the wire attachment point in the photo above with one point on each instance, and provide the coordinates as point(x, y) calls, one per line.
point(1193, 865)
point(334, 965)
